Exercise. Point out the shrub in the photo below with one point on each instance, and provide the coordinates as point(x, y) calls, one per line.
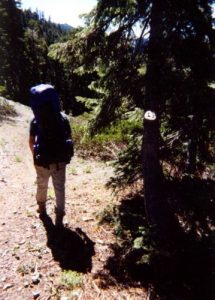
point(71, 279)
point(6, 109)
point(108, 143)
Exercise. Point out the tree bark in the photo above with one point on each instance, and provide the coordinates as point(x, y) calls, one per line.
point(151, 166)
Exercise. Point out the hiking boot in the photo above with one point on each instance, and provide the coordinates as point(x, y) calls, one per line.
point(41, 209)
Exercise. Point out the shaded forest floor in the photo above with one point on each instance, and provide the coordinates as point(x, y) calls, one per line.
point(34, 254)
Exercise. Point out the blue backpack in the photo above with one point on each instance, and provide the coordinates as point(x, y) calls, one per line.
point(51, 128)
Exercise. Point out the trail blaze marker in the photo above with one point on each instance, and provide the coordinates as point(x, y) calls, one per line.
point(150, 115)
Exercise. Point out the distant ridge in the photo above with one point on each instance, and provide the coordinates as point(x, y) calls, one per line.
point(65, 27)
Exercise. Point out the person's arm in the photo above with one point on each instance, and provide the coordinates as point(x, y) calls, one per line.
point(68, 129)
point(32, 135)
point(31, 142)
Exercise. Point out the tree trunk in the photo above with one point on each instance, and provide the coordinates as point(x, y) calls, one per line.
point(152, 170)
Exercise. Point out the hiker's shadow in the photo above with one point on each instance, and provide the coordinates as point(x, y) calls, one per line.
point(72, 249)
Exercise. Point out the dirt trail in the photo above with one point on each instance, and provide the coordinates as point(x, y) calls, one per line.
point(33, 255)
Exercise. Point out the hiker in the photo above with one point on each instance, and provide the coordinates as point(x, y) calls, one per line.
point(51, 145)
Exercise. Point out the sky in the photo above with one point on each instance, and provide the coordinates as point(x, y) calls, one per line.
point(61, 11)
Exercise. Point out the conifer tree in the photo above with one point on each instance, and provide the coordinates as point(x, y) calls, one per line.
point(160, 71)
point(11, 47)
point(24, 40)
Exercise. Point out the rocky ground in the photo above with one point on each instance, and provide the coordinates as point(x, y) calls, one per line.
point(38, 261)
